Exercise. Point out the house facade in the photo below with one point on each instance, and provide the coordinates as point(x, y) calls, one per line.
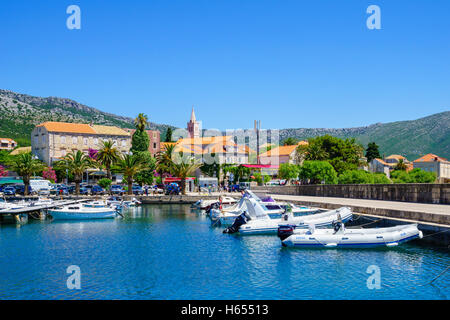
point(281, 154)
point(7, 144)
point(433, 163)
point(50, 141)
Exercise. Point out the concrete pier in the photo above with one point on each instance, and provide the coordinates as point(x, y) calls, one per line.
point(408, 211)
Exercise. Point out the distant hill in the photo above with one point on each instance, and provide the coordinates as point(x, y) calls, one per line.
point(411, 139)
point(20, 113)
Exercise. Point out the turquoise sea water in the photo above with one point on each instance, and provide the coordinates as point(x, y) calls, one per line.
point(169, 252)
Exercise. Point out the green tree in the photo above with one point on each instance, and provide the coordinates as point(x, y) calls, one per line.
point(362, 177)
point(129, 166)
point(184, 169)
point(146, 175)
point(414, 176)
point(108, 155)
point(316, 172)
point(211, 169)
point(168, 135)
point(104, 183)
point(401, 165)
point(342, 154)
point(372, 151)
point(288, 171)
point(140, 141)
point(76, 163)
point(290, 141)
point(164, 160)
point(25, 165)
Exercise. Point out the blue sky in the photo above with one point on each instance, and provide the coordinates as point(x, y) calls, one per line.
point(289, 63)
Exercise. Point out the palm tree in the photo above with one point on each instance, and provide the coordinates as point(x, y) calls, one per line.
point(76, 163)
point(108, 155)
point(401, 165)
point(315, 152)
point(141, 122)
point(129, 166)
point(164, 159)
point(25, 165)
point(184, 169)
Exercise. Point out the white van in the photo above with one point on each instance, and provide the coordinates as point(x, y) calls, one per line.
point(37, 185)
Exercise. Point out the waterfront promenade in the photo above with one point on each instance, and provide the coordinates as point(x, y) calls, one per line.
point(407, 211)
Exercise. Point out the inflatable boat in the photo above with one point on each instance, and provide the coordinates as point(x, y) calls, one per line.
point(340, 237)
point(254, 220)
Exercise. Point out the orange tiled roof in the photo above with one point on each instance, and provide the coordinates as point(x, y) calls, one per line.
point(67, 127)
point(430, 157)
point(282, 150)
point(8, 139)
point(396, 156)
point(110, 130)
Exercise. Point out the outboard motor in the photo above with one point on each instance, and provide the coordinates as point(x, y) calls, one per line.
point(337, 226)
point(238, 222)
point(285, 231)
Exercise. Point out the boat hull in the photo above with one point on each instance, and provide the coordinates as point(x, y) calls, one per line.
point(66, 215)
point(322, 239)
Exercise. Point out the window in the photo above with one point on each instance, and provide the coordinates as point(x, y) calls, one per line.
point(74, 140)
point(124, 143)
point(154, 145)
point(85, 141)
point(96, 141)
point(63, 139)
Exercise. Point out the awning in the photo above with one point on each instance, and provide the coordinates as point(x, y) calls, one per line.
point(260, 166)
point(98, 173)
point(10, 181)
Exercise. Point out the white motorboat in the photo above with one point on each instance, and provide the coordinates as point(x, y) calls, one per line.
point(82, 212)
point(254, 220)
point(226, 216)
point(340, 237)
point(204, 204)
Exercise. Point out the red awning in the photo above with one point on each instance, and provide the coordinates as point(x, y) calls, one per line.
point(175, 179)
point(260, 166)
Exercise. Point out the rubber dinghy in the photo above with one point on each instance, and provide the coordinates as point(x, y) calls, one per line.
point(254, 220)
point(340, 237)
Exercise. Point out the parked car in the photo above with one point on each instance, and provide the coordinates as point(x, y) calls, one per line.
point(84, 191)
point(116, 189)
point(20, 189)
point(157, 189)
point(44, 192)
point(97, 190)
point(62, 191)
point(9, 191)
point(137, 190)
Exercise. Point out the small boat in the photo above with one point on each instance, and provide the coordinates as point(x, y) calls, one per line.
point(254, 220)
point(82, 212)
point(340, 237)
point(205, 204)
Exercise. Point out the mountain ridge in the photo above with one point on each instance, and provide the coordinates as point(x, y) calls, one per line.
point(19, 113)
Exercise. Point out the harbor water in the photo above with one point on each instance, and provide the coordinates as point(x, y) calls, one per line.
point(172, 252)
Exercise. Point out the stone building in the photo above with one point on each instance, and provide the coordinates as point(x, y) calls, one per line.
point(154, 138)
point(51, 141)
point(433, 163)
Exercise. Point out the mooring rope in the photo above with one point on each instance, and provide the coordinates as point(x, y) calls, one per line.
point(440, 275)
